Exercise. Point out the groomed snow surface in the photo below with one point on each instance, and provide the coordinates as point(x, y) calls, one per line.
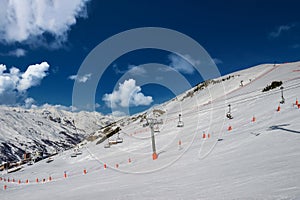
point(255, 160)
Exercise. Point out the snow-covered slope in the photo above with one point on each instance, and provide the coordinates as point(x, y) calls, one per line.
point(257, 159)
point(47, 130)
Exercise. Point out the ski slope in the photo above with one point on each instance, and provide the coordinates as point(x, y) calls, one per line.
point(255, 160)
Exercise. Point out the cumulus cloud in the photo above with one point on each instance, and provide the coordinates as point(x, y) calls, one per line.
point(32, 76)
point(29, 103)
point(14, 83)
point(128, 94)
point(80, 79)
point(183, 64)
point(29, 20)
point(279, 30)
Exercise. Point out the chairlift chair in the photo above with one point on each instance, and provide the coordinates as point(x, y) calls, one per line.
point(119, 140)
point(108, 144)
point(30, 163)
point(180, 123)
point(78, 152)
point(228, 115)
point(156, 128)
point(111, 142)
point(73, 155)
point(282, 98)
point(50, 159)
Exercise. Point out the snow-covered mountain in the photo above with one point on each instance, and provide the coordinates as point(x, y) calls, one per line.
point(45, 129)
point(254, 155)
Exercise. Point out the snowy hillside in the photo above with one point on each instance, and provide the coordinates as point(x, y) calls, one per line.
point(47, 130)
point(255, 155)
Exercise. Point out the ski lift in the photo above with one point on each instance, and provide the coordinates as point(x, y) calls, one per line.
point(282, 98)
point(74, 154)
point(242, 83)
point(228, 115)
point(180, 123)
point(119, 140)
point(112, 142)
point(30, 163)
point(108, 144)
point(156, 128)
point(50, 159)
point(78, 152)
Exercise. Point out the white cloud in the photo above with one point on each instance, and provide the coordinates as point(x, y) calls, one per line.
point(58, 106)
point(136, 70)
point(119, 114)
point(33, 76)
point(183, 64)
point(29, 20)
point(17, 53)
point(117, 70)
point(2, 68)
point(280, 30)
point(80, 79)
point(14, 84)
point(217, 61)
point(131, 69)
point(128, 94)
point(29, 103)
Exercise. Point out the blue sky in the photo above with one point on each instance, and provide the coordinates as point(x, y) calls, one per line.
point(43, 44)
